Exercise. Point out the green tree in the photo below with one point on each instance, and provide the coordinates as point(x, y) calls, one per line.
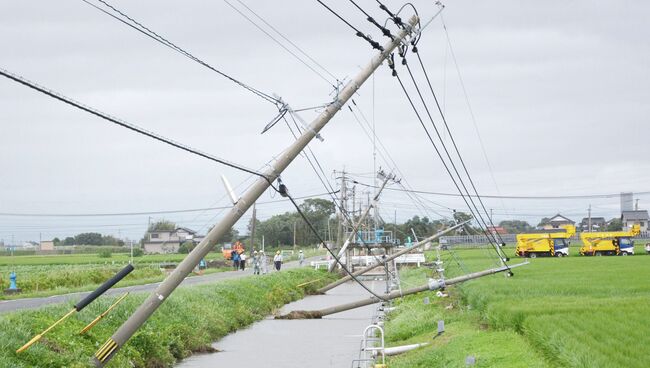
point(186, 247)
point(68, 241)
point(88, 239)
point(515, 226)
point(543, 221)
point(615, 224)
point(162, 225)
point(56, 241)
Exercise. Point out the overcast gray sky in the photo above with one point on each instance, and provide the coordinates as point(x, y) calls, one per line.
point(559, 91)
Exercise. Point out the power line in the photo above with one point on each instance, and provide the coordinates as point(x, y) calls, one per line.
point(122, 123)
point(321, 241)
point(558, 197)
point(164, 41)
point(374, 44)
point(372, 20)
point(487, 234)
point(286, 39)
point(115, 214)
point(444, 146)
point(469, 106)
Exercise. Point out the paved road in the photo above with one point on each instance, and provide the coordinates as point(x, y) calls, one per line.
point(30, 303)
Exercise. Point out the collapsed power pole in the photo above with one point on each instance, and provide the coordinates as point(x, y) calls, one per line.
point(164, 290)
point(388, 259)
point(431, 285)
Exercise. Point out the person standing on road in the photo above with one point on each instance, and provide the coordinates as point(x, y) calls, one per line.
point(277, 261)
point(235, 260)
point(242, 261)
point(263, 263)
point(301, 258)
point(256, 263)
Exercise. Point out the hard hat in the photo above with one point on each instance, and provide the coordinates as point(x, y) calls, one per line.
point(278, 252)
point(301, 251)
point(255, 252)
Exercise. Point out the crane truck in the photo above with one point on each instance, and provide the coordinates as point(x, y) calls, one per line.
point(545, 244)
point(609, 243)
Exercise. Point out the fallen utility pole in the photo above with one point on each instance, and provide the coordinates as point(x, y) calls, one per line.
point(431, 285)
point(388, 259)
point(164, 290)
point(358, 224)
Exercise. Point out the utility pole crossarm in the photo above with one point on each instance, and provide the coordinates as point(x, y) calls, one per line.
point(164, 290)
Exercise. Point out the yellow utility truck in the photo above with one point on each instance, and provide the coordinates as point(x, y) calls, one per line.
point(550, 243)
point(609, 243)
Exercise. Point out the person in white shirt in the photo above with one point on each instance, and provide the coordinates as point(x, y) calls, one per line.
point(277, 260)
point(301, 258)
point(242, 261)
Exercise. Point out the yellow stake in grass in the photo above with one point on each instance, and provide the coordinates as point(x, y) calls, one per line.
point(99, 318)
point(39, 336)
point(309, 282)
point(83, 303)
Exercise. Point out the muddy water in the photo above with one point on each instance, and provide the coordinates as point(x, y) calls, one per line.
point(329, 342)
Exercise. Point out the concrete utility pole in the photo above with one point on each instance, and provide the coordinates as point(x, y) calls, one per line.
point(388, 259)
point(294, 236)
point(342, 208)
point(164, 290)
point(356, 226)
point(431, 285)
point(253, 228)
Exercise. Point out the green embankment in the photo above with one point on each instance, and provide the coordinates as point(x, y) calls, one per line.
point(569, 312)
point(187, 322)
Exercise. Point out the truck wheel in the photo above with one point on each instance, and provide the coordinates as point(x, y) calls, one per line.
point(623, 253)
point(559, 254)
point(532, 255)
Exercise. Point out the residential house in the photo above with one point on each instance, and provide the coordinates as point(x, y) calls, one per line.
point(47, 245)
point(497, 230)
point(597, 224)
point(168, 241)
point(556, 222)
point(639, 217)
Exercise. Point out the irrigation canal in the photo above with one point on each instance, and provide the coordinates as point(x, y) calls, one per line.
point(333, 341)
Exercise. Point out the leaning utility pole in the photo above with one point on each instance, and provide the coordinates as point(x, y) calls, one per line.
point(253, 228)
point(164, 290)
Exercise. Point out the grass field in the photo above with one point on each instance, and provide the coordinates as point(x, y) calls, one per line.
point(72, 259)
point(569, 312)
point(60, 274)
point(187, 322)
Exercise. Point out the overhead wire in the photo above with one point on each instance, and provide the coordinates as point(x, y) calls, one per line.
point(290, 42)
point(162, 212)
point(374, 44)
point(390, 161)
point(372, 20)
point(469, 106)
point(451, 136)
point(394, 73)
point(124, 124)
point(138, 26)
point(449, 157)
point(277, 41)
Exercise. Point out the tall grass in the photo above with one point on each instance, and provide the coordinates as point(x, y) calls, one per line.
point(570, 312)
point(187, 322)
